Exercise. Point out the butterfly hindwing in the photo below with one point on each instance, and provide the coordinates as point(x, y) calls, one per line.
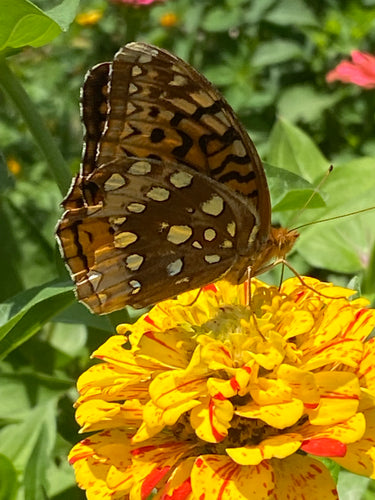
point(153, 225)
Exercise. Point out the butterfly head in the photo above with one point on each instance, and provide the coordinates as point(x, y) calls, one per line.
point(280, 242)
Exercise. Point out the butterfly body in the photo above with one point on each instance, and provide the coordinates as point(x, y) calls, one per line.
point(171, 195)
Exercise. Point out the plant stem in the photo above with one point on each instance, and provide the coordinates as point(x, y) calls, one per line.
point(37, 127)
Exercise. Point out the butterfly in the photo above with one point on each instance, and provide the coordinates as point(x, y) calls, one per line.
point(171, 193)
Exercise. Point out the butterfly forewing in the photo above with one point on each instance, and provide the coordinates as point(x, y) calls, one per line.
point(171, 194)
point(162, 108)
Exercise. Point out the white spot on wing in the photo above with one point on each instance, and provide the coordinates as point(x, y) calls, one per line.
point(136, 208)
point(226, 244)
point(158, 194)
point(239, 148)
point(135, 285)
point(182, 280)
point(130, 108)
point(95, 278)
point(178, 81)
point(196, 244)
point(209, 234)
point(136, 70)
point(113, 182)
point(140, 168)
point(231, 228)
point(213, 206)
point(124, 239)
point(134, 261)
point(145, 58)
point(93, 209)
point(179, 234)
point(116, 221)
point(132, 88)
point(175, 267)
point(212, 259)
point(180, 179)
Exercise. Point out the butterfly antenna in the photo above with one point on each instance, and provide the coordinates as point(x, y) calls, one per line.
point(335, 217)
point(314, 193)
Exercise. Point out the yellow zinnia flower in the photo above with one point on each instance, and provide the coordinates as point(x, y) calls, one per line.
point(217, 400)
point(89, 17)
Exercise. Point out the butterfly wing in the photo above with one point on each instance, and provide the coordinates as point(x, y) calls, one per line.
point(152, 106)
point(161, 107)
point(155, 229)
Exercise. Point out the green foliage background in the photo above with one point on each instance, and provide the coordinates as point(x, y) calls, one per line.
point(269, 58)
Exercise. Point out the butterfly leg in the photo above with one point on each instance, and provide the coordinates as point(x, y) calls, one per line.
point(303, 282)
point(249, 276)
point(195, 299)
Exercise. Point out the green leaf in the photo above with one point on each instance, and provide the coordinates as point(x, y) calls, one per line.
point(6, 180)
point(36, 468)
point(292, 12)
point(78, 313)
point(289, 191)
point(297, 200)
point(19, 392)
point(218, 19)
point(351, 486)
point(275, 52)
point(23, 315)
point(23, 23)
point(8, 479)
point(65, 13)
point(343, 245)
point(17, 441)
point(290, 148)
point(368, 284)
point(303, 102)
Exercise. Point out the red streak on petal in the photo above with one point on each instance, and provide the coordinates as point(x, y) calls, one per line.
point(223, 486)
point(181, 492)
point(324, 447)
point(226, 352)
point(211, 287)
point(179, 386)
point(151, 335)
point(247, 369)
point(356, 318)
point(311, 406)
point(152, 479)
point(142, 449)
point(335, 342)
point(80, 456)
point(151, 321)
point(218, 437)
point(220, 397)
point(299, 296)
point(337, 395)
point(234, 384)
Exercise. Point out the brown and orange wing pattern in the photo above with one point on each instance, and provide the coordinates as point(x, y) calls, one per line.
point(171, 194)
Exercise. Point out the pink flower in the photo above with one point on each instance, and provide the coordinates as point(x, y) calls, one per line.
point(360, 72)
point(136, 2)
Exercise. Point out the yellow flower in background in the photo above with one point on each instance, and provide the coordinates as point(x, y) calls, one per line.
point(168, 20)
point(217, 400)
point(14, 166)
point(89, 17)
